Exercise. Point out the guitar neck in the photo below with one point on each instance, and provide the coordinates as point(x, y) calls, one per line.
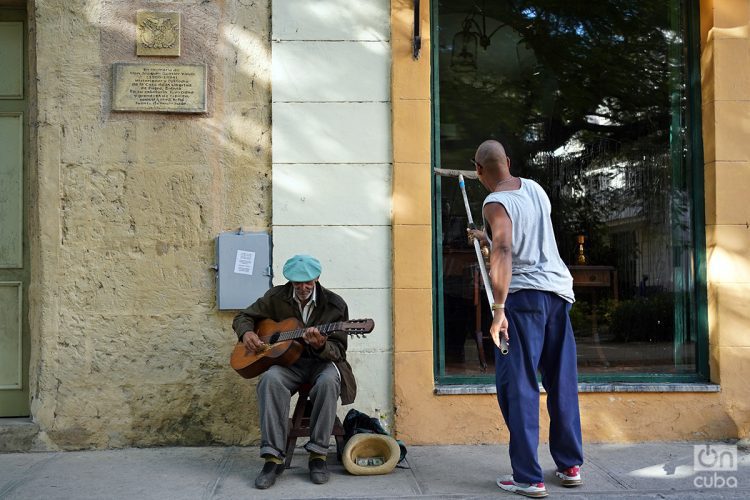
point(325, 330)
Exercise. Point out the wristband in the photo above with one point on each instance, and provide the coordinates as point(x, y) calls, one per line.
point(496, 306)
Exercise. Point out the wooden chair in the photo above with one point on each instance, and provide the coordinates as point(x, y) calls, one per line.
point(299, 425)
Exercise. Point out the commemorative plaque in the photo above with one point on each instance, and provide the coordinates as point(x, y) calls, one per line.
point(158, 33)
point(171, 88)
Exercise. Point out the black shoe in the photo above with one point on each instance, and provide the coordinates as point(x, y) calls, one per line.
point(267, 476)
point(318, 471)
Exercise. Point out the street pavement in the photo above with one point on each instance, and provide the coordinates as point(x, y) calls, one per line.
point(623, 471)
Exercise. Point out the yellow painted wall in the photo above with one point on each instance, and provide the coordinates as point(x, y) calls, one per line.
point(606, 417)
point(725, 65)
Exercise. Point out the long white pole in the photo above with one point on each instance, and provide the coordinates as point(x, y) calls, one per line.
point(480, 261)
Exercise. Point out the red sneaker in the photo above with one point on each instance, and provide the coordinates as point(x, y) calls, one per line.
point(571, 476)
point(532, 490)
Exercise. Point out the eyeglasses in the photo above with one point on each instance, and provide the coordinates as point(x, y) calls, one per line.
point(475, 163)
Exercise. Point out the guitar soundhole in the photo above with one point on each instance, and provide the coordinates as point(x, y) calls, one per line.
point(274, 338)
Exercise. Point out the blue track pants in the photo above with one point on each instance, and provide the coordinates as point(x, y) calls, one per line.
point(541, 338)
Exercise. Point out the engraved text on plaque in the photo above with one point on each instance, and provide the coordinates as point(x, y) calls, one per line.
point(174, 88)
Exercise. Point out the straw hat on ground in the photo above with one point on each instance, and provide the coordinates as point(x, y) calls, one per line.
point(370, 454)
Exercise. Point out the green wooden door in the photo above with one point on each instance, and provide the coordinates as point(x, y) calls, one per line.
point(14, 254)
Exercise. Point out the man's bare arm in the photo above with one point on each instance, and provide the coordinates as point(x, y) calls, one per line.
point(500, 264)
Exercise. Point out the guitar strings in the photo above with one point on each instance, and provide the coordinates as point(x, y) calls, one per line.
point(293, 334)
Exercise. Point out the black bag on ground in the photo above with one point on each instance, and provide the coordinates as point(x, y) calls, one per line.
point(356, 422)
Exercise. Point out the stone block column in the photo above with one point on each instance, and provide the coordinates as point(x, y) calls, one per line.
point(331, 113)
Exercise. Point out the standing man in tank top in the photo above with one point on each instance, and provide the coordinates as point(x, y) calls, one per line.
point(533, 293)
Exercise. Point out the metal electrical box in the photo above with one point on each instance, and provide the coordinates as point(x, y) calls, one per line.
point(243, 268)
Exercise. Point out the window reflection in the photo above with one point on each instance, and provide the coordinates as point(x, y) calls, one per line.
point(590, 99)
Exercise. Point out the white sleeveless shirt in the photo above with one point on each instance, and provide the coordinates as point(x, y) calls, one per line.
point(536, 262)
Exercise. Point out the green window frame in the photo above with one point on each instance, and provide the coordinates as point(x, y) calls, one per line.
point(695, 286)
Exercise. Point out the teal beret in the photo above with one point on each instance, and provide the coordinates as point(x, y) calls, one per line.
point(302, 268)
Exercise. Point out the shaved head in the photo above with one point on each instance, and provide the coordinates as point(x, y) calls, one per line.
point(492, 163)
point(491, 154)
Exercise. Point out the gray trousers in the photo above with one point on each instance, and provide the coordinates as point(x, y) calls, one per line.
point(275, 391)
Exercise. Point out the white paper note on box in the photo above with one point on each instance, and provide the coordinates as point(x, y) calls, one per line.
point(244, 262)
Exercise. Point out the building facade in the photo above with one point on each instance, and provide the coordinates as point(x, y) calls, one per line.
point(323, 123)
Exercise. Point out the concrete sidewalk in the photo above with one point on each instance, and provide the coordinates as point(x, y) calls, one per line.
point(651, 470)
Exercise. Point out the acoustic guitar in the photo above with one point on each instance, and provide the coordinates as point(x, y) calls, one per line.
point(281, 345)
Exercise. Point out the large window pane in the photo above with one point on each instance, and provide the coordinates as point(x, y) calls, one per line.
point(591, 100)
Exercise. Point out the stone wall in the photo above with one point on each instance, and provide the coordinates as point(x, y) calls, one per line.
point(128, 347)
point(332, 164)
